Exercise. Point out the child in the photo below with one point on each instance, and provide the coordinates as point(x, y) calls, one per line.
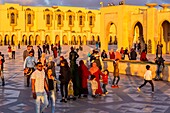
point(147, 78)
point(105, 81)
point(70, 91)
point(116, 73)
point(94, 85)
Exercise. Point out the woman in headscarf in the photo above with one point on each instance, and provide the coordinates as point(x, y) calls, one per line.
point(94, 70)
point(84, 74)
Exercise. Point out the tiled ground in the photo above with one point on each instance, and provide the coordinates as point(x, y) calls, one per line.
point(15, 98)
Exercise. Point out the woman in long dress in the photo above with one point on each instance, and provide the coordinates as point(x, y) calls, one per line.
point(94, 70)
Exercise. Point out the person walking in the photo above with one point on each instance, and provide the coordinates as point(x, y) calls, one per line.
point(74, 71)
point(26, 52)
point(13, 48)
point(64, 79)
point(147, 78)
point(160, 66)
point(51, 86)
point(39, 88)
point(29, 65)
point(84, 75)
point(116, 73)
point(94, 70)
point(9, 52)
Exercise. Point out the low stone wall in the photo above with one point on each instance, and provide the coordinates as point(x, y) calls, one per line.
point(137, 68)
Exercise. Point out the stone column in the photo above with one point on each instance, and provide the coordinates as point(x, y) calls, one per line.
point(151, 20)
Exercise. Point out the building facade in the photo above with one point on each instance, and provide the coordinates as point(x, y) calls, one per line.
point(122, 24)
point(53, 25)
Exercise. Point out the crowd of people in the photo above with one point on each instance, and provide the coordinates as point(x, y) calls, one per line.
point(74, 78)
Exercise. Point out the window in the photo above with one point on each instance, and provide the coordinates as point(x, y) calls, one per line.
point(70, 20)
point(59, 19)
point(29, 19)
point(12, 18)
point(81, 20)
point(48, 19)
point(91, 20)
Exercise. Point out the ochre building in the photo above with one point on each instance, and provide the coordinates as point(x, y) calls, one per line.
point(123, 24)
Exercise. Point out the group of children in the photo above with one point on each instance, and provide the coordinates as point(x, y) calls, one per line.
point(104, 80)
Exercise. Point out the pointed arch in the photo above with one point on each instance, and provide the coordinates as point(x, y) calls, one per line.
point(73, 40)
point(31, 40)
point(1, 40)
point(47, 39)
point(37, 40)
point(24, 40)
point(65, 40)
point(6, 40)
point(57, 39)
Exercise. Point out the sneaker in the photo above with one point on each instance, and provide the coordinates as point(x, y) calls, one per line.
point(94, 96)
point(65, 100)
point(62, 100)
point(138, 89)
point(106, 93)
point(103, 95)
point(113, 86)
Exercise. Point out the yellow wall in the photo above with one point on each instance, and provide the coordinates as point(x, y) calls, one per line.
point(124, 17)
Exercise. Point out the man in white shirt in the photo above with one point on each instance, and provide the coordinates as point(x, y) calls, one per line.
point(147, 78)
point(39, 88)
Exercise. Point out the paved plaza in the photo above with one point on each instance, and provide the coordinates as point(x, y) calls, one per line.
point(15, 98)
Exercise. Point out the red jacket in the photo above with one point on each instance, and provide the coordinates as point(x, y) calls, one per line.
point(105, 79)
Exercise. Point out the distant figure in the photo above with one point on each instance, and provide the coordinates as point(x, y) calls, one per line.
point(104, 55)
point(133, 54)
point(26, 52)
point(160, 66)
point(122, 53)
point(19, 46)
point(39, 52)
point(159, 50)
point(139, 48)
point(112, 54)
point(126, 54)
point(118, 55)
point(13, 51)
point(9, 52)
point(116, 73)
point(143, 56)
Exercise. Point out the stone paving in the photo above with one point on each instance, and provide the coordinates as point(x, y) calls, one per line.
point(15, 98)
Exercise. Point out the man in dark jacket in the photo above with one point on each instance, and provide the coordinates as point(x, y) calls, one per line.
point(74, 71)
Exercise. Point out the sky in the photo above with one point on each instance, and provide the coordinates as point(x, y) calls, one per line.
point(94, 4)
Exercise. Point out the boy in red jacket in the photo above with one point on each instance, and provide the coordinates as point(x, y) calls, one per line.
point(105, 81)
